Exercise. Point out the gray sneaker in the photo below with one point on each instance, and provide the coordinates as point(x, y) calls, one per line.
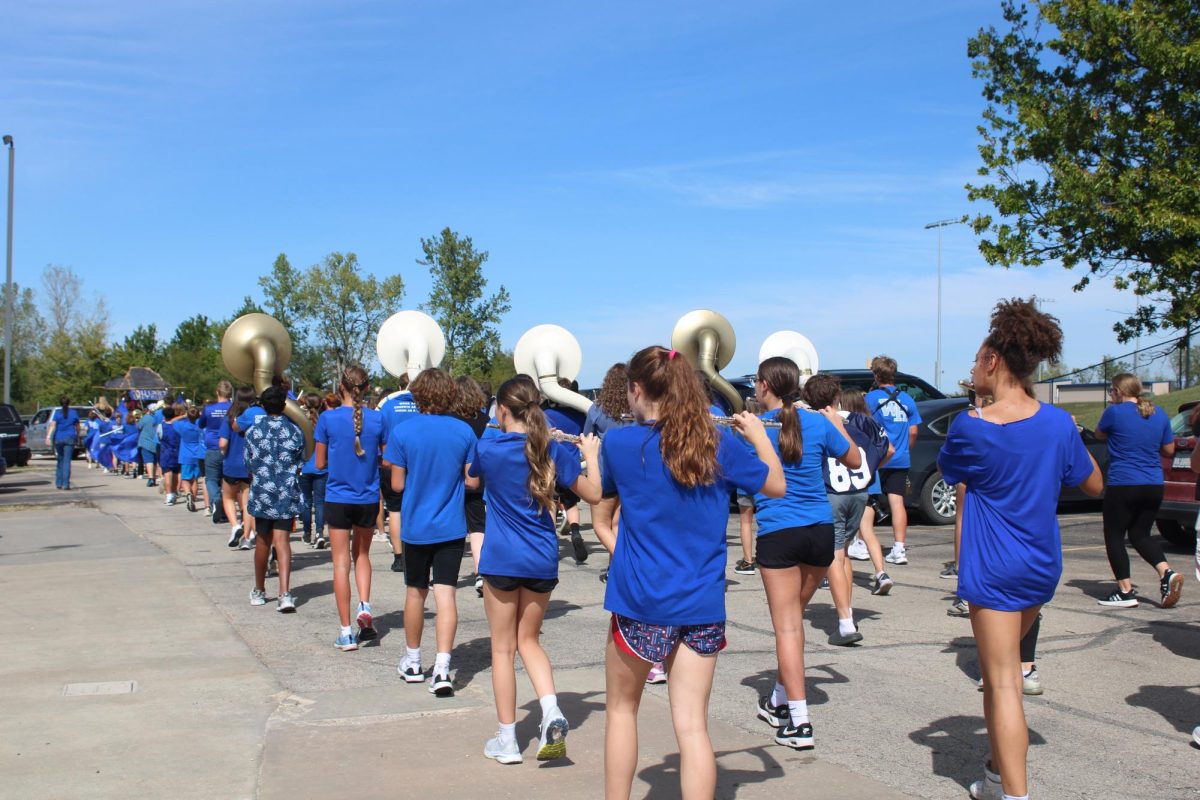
point(502, 751)
point(258, 597)
point(950, 572)
point(552, 742)
point(989, 788)
point(286, 604)
point(958, 608)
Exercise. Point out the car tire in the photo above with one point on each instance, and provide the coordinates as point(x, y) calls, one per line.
point(937, 501)
point(1176, 533)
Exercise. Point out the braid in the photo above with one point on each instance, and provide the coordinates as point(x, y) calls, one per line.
point(358, 451)
point(354, 381)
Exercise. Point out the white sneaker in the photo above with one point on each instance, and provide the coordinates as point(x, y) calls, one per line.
point(858, 550)
point(170, 501)
point(258, 597)
point(552, 742)
point(897, 556)
point(286, 604)
point(1196, 735)
point(502, 751)
point(989, 788)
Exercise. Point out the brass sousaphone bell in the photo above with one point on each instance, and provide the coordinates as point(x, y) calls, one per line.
point(793, 346)
point(547, 353)
point(256, 349)
point(706, 339)
point(408, 343)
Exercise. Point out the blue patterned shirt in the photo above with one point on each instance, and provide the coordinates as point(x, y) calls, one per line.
point(274, 454)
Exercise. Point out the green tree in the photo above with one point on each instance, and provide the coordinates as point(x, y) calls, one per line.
point(1091, 147)
point(468, 320)
point(74, 359)
point(191, 360)
point(347, 307)
point(28, 335)
point(140, 348)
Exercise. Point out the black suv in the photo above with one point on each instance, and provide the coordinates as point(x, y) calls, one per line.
point(12, 437)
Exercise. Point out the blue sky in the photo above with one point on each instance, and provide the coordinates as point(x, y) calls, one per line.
point(623, 162)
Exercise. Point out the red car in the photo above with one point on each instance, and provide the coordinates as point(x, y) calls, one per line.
point(1181, 498)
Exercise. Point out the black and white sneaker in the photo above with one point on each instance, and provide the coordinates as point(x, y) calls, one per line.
point(410, 672)
point(799, 736)
point(440, 686)
point(191, 502)
point(775, 716)
point(1171, 587)
point(744, 567)
point(880, 584)
point(1119, 599)
point(235, 536)
point(479, 585)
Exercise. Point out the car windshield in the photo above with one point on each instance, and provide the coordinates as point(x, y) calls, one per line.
point(8, 414)
point(916, 392)
point(1179, 423)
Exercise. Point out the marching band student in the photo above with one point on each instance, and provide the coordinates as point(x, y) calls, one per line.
point(312, 484)
point(210, 421)
point(92, 429)
point(168, 455)
point(106, 451)
point(235, 480)
point(571, 421)
point(274, 453)
point(348, 440)
point(519, 558)
point(126, 450)
point(148, 445)
point(672, 473)
point(62, 432)
point(468, 407)
point(1013, 457)
point(795, 534)
point(397, 408)
point(192, 455)
point(429, 455)
point(869, 549)
point(897, 412)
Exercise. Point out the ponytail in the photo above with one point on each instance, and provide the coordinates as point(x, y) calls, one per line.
point(782, 377)
point(355, 384)
point(688, 438)
point(1129, 385)
point(521, 397)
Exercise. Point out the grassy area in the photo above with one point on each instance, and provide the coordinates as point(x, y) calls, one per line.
point(1088, 414)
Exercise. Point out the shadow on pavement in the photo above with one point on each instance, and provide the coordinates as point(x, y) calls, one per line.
point(1176, 704)
point(958, 746)
point(1093, 589)
point(824, 616)
point(664, 778)
point(763, 682)
point(1181, 638)
point(469, 658)
point(965, 657)
point(576, 707)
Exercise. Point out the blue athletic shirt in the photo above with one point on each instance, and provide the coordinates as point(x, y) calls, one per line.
point(148, 433)
point(396, 409)
point(234, 463)
point(806, 501)
point(1011, 554)
point(668, 567)
point(519, 541)
point(1133, 443)
point(896, 416)
point(191, 441)
point(433, 449)
point(65, 427)
point(210, 421)
point(352, 478)
point(872, 444)
point(168, 449)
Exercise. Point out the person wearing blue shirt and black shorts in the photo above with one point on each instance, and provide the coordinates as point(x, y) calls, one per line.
point(1138, 434)
point(795, 542)
point(672, 473)
point(896, 411)
point(395, 408)
point(519, 555)
point(210, 422)
point(312, 484)
point(348, 441)
point(62, 433)
point(235, 480)
point(1013, 457)
point(429, 455)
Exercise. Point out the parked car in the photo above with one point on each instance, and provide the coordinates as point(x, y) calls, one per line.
point(861, 379)
point(3, 466)
point(1181, 490)
point(931, 495)
point(13, 440)
point(40, 423)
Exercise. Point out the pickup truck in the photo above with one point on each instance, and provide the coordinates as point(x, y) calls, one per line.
point(13, 440)
point(1181, 487)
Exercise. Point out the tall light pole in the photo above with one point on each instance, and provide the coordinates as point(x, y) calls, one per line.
point(8, 287)
point(937, 364)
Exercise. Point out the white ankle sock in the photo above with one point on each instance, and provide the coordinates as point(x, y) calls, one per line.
point(846, 626)
point(345, 630)
point(1016, 797)
point(508, 731)
point(441, 663)
point(798, 711)
point(413, 656)
point(549, 704)
point(779, 695)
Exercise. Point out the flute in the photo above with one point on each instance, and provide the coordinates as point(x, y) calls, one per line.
point(724, 421)
point(555, 434)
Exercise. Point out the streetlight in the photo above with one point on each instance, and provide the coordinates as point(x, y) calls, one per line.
point(937, 364)
point(8, 287)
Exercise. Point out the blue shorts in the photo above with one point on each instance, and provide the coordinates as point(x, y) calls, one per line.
point(189, 472)
point(654, 643)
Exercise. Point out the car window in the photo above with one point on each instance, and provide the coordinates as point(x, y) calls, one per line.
point(942, 424)
point(1179, 423)
point(40, 417)
point(8, 415)
point(916, 392)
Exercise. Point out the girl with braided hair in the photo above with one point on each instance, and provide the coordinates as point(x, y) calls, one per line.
point(519, 557)
point(348, 441)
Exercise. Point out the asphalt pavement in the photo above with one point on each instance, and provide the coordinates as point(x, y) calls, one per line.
point(138, 668)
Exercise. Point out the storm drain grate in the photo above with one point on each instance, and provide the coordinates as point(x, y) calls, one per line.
point(91, 689)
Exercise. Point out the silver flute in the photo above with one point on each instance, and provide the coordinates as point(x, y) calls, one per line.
point(725, 421)
point(555, 434)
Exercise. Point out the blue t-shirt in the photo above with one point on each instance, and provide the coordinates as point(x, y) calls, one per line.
point(168, 449)
point(310, 466)
point(234, 464)
point(274, 450)
point(65, 426)
point(148, 433)
point(352, 478)
point(668, 567)
point(1011, 554)
point(567, 420)
point(872, 444)
point(397, 408)
point(247, 418)
point(211, 420)
point(519, 541)
point(191, 441)
point(806, 502)
point(433, 449)
point(1133, 443)
point(896, 415)
point(599, 423)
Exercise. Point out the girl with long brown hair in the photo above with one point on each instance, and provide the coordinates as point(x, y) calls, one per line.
point(312, 483)
point(519, 557)
point(348, 440)
point(672, 473)
point(235, 479)
point(468, 406)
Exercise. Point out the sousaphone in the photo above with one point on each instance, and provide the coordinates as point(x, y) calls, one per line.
point(547, 353)
point(706, 339)
point(408, 343)
point(793, 346)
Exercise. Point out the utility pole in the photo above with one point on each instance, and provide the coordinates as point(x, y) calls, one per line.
point(937, 364)
point(8, 283)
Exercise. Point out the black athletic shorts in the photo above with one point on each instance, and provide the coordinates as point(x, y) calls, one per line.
point(235, 481)
point(894, 481)
point(502, 583)
point(476, 513)
point(391, 500)
point(810, 545)
point(567, 497)
point(442, 560)
point(345, 516)
point(265, 526)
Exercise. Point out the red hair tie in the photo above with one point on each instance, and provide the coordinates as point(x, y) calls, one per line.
point(671, 355)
